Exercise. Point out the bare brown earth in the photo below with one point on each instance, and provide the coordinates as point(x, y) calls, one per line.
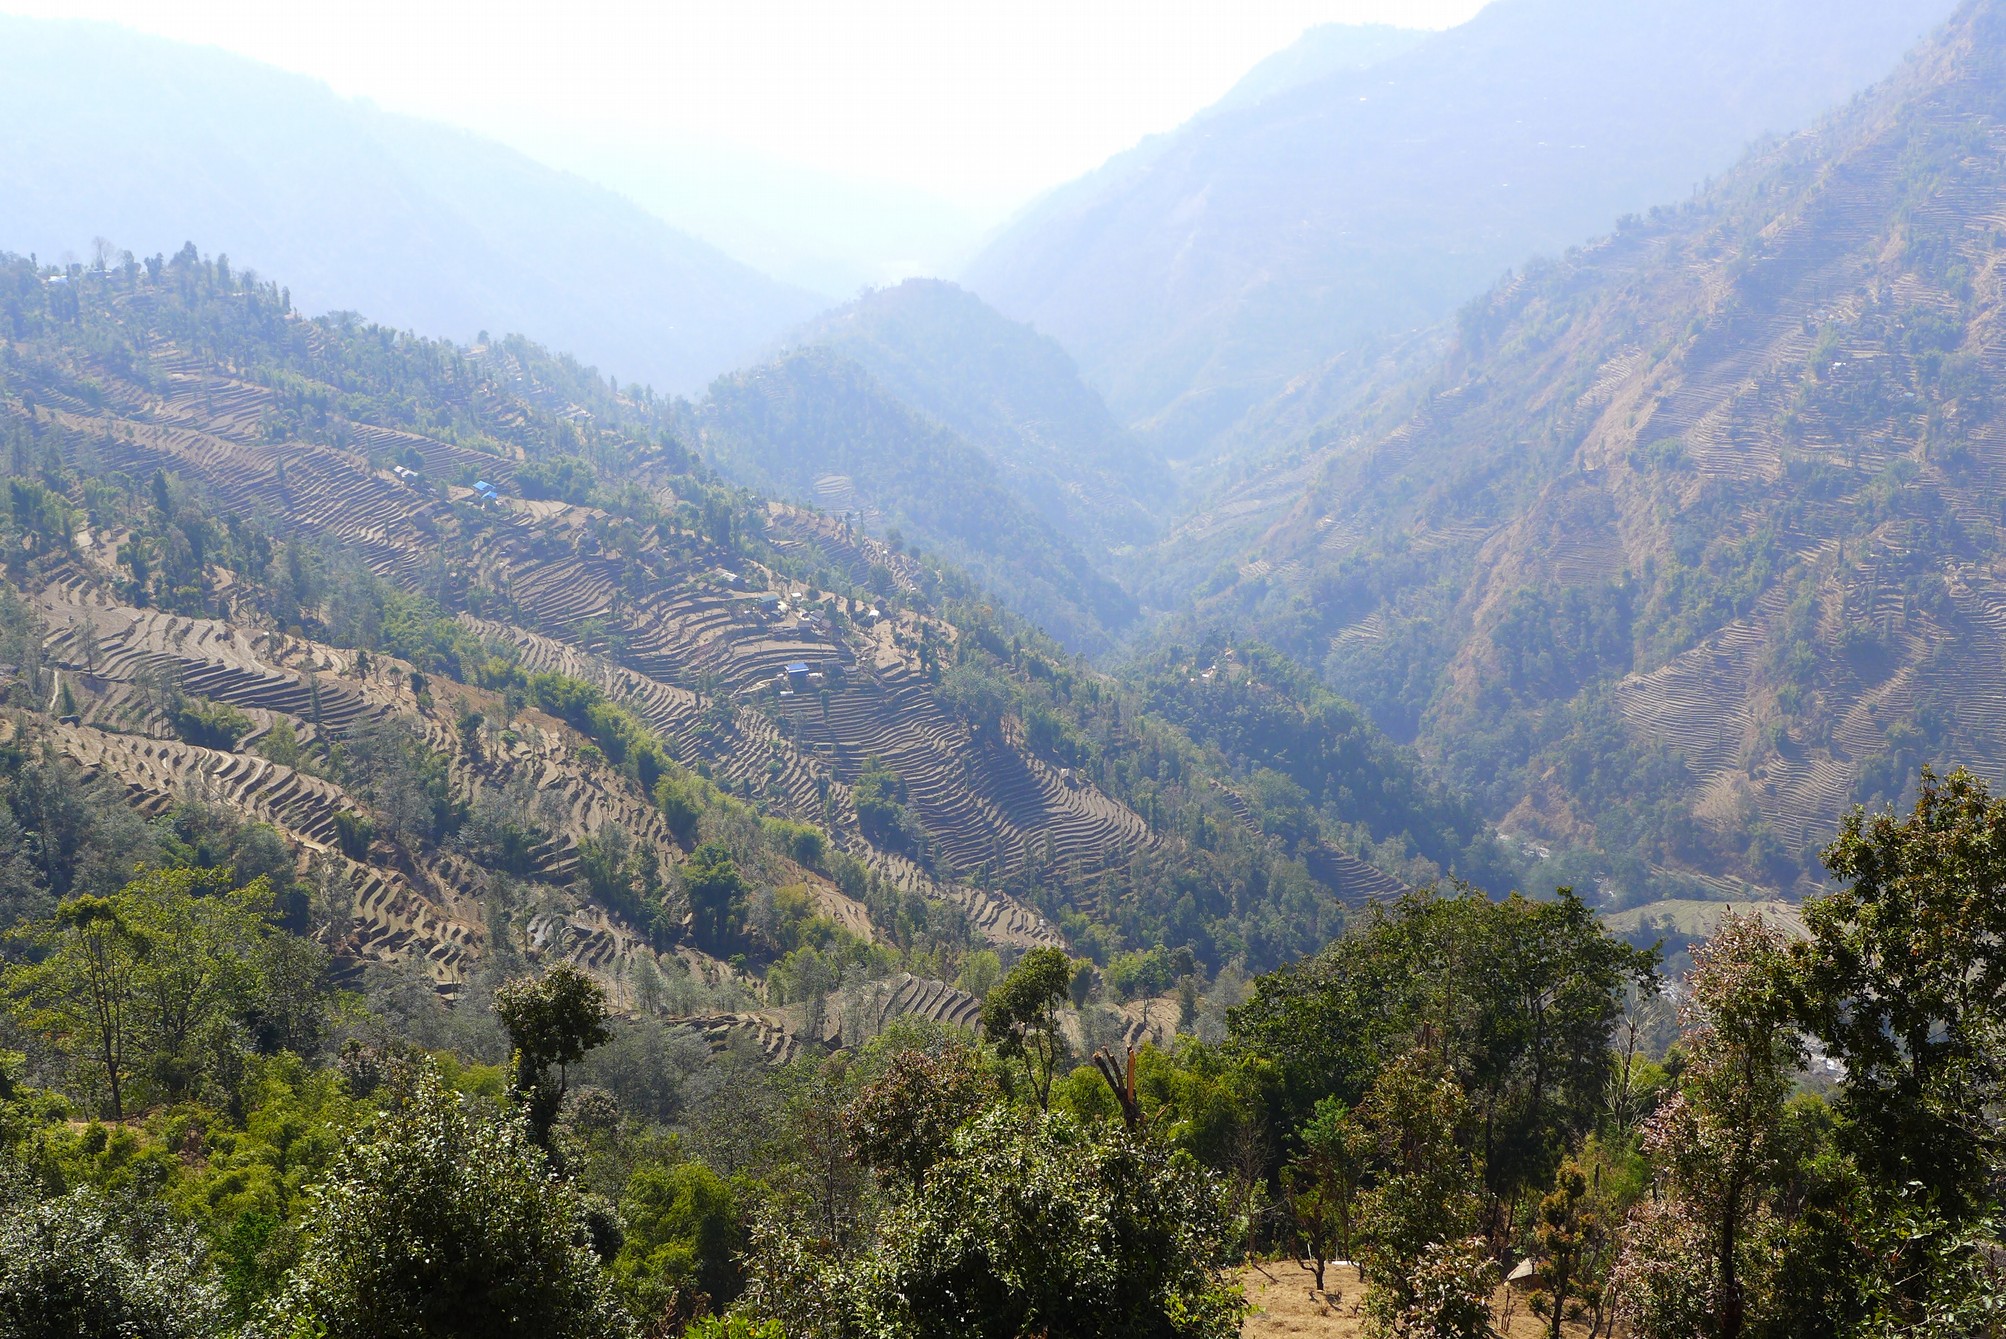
point(1678, 385)
point(1285, 1305)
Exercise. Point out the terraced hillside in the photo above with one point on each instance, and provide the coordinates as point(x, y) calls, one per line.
point(405, 902)
point(1694, 539)
point(487, 629)
point(428, 908)
point(567, 596)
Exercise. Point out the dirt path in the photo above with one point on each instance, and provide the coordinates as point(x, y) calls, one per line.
point(1286, 1308)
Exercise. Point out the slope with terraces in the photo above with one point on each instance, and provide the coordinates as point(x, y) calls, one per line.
point(423, 907)
point(1692, 538)
point(980, 804)
point(412, 904)
point(642, 614)
point(316, 536)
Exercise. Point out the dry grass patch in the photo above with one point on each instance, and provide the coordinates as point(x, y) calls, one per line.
point(1286, 1308)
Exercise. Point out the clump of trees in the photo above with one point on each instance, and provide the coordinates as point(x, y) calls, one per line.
point(444, 1223)
point(1778, 1212)
point(200, 1135)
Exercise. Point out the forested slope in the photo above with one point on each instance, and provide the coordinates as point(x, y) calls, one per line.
point(816, 428)
point(1693, 540)
point(1014, 395)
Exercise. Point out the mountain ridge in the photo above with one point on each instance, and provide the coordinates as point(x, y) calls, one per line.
point(150, 142)
point(1148, 273)
point(1010, 392)
point(1690, 541)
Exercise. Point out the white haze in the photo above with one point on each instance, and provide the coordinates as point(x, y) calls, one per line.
point(830, 143)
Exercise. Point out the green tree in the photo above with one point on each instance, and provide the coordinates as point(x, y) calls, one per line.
point(207, 943)
point(292, 998)
point(85, 994)
point(76, 1266)
point(444, 1223)
point(1423, 1190)
point(1028, 1226)
point(677, 799)
point(1449, 1296)
point(1564, 1230)
point(1021, 1016)
point(684, 1234)
point(980, 973)
point(1717, 1145)
point(602, 860)
point(1903, 980)
point(717, 893)
point(1519, 997)
point(1320, 1186)
point(903, 1122)
point(552, 1022)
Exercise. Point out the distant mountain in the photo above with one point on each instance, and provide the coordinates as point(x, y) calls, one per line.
point(1195, 277)
point(1693, 538)
point(151, 143)
point(815, 427)
point(1330, 48)
point(1011, 393)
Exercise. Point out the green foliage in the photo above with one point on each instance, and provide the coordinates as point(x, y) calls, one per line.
point(552, 1021)
point(150, 991)
point(1520, 997)
point(734, 1327)
point(566, 478)
point(1021, 1016)
point(443, 1222)
point(1321, 1184)
point(716, 893)
point(1264, 714)
point(406, 782)
point(880, 795)
point(1449, 1295)
point(1901, 979)
point(1718, 1144)
point(1898, 982)
point(75, 1266)
point(213, 725)
point(904, 1122)
point(1025, 1226)
point(684, 1234)
point(1565, 1231)
point(1415, 1124)
point(680, 807)
point(832, 957)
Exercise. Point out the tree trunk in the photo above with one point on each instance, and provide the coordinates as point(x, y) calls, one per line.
point(1730, 1284)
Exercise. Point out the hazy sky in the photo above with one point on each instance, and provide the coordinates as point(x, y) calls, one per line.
point(974, 107)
